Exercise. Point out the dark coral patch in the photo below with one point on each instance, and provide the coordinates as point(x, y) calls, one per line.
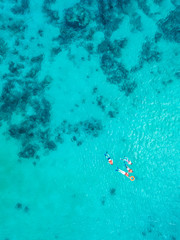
point(112, 191)
point(103, 200)
point(50, 145)
point(3, 48)
point(177, 75)
point(100, 102)
point(29, 151)
point(79, 143)
point(136, 23)
point(149, 53)
point(129, 87)
point(170, 26)
point(94, 90)
point(18, 205)
point(112, 114)
point(92, 127)
point(22, 8)
point(26, 209)
point(165, 83)
point(157, 37)
point(113, 68)
point(77, 17)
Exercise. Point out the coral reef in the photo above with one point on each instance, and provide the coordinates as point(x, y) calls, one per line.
point(112, 191)
point(52, 15)
point(91, 127)
point(149, 53)
point(112, 67)
point(3, 48)
point(113, 48)
point(77, 17)
point(129, 87)
point(144, 6)
point(17, 26)
point(28, 151)
point(170, 26)
point(136, 23)
point(22, 9)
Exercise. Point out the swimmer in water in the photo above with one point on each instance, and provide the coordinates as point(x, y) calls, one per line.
point(121, 171)
point(110, 160)
point(129, 170)
point(125, 159)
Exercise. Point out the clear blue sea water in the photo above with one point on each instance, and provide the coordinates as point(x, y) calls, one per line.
point(79, 78)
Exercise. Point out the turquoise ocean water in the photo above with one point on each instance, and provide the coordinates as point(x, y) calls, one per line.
point(79, 78)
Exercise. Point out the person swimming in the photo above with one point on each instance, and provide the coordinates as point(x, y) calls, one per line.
point(110, 160)
point(129, 170)
point(125, 159)
point(123, 172)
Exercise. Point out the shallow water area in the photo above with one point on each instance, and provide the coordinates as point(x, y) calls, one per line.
point(79, 78)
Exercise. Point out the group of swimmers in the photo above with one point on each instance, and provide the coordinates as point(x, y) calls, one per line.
point(126, 161)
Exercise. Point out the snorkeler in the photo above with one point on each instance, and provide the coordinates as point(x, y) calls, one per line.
point(121, 171)
point(129, 170)
point(110, 160)
point(125, 159)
